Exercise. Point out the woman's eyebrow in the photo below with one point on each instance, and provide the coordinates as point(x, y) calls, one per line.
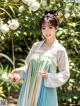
point(43, 26)
point(50, 26)
point(47, 25)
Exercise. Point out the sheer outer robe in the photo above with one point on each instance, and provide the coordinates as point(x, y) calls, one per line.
point(58, 55)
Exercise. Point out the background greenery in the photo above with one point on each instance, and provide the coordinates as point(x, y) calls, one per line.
point(16, 44)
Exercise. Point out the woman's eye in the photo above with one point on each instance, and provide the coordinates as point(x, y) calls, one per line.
point(43, 28)
point(51, 27)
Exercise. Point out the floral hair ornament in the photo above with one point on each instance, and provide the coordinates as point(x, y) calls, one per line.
point(48, 17)
point(52, 14)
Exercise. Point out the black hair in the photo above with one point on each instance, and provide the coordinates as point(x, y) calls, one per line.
point(51, 16)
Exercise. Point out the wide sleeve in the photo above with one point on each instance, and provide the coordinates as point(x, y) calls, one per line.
point(60, 78)
point(27, 60)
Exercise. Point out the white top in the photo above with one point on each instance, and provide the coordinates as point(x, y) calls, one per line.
point(59, 55)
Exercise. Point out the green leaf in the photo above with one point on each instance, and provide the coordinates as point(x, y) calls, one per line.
point(11, 8)
point(6, 12)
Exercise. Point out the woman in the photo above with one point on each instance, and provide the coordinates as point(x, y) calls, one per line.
point(40, 77)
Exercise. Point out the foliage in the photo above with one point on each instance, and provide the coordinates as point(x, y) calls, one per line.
point(16, 43)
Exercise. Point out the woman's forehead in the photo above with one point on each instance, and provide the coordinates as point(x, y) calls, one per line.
point(46, 24)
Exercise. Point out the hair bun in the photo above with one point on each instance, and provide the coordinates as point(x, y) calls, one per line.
point(53, 12)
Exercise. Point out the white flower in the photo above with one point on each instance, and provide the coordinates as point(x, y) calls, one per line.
point(73, 24)
point(34, 6)
point(5, 76)
point(43, 3)
point(21, 8)
point(2, 37)
point(67, 15)
point(15, 1)
point(26, 18)
point(13, 24)
point(67, 9)
point(73, 15)
point(17, 77)
point(4, 28)
point(28, 1)
point(1, 22)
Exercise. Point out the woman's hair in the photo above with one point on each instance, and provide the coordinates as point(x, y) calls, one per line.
point(50, 16)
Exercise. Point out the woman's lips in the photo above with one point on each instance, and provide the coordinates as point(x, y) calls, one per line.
point(48, 35)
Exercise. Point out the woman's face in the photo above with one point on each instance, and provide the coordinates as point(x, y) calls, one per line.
point(48, 31)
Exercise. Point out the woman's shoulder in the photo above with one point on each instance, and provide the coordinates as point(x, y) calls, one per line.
point(37, 44)
point(61, 47)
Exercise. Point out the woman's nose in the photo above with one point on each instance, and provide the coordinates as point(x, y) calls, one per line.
point(47, 31)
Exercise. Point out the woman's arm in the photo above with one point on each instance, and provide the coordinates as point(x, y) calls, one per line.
point(22, 70)
point(60, 78)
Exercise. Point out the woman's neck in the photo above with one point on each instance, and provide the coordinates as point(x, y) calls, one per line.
point(50, 41)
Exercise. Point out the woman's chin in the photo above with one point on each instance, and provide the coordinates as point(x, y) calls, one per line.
point(48, 36)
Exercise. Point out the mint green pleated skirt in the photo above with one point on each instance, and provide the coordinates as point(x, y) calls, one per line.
point(47, 95)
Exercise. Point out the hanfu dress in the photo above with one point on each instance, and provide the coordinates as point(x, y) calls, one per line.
point(38, 91)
